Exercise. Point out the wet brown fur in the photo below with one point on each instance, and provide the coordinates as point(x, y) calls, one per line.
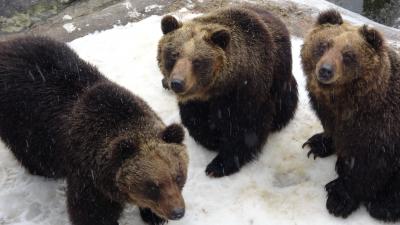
point(63, 119)
point(193, 37)
point(359, 111)
point(236, 64)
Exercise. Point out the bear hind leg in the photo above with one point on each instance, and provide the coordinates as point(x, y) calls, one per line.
point(286, 104)
point(386, 206)
point(223, 166)
point(340, 202)
point(387, 210)
point(227, 162)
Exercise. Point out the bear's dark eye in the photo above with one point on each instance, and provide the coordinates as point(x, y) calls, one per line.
point(152, 190)
point(202, 66)
point(170, 58)
point(349, 57)
point(180, 180)
point(321, 48)
point(174, 55)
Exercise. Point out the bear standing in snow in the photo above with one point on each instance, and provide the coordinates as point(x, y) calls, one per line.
point(63, 119)
point(353, 79)
point(231, 70)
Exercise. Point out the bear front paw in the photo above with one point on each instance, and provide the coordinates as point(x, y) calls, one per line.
point(340, 203)
point(149, 217)
point(320, 146)
point(223, 166)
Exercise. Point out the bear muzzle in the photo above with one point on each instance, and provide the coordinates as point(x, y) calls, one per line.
point(177, 85)
point(326, 74)
point(181, 78)
point(177, 213)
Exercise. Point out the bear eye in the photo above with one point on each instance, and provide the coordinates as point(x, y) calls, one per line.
point(201, 65)
point(198, 63)
point(180, 180)
point(174, 55)
point(171, 53)
point(349, 57)
point(170, 59)
point(153, 190)
point(321, 48)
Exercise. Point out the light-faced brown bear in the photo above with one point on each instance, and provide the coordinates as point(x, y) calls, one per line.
point(353, 79)
point(231, 71)
point(63, 119)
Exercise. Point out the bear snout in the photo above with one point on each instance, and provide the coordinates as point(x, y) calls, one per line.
point(177, 213)
point(172, 204)
point(177, 85)
point(325, 73)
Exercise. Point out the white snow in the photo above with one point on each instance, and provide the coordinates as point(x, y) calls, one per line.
point(133, 13)
point(127, 4)
point(67, 17)
point(69, 27)
point(150, 8)
point(282, 187)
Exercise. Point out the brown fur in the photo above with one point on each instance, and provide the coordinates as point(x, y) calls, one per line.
point(193, 34)
point(340, 95)
point(62, 118)
point(235, 81)
point(134, 146)
point(157, 170)
point(358, 105)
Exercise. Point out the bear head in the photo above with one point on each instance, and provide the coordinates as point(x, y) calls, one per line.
point(338, 57)
point(127, 151)
point(191, 56)
point(153, 170)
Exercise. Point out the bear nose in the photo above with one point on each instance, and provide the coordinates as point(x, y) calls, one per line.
point(177, 85)
point(325, 72)
point(177, 213)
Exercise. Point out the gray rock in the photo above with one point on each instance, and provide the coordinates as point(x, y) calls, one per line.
point(66, 20)
point(20, 15)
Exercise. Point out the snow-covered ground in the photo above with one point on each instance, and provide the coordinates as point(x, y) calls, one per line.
point(282, 187)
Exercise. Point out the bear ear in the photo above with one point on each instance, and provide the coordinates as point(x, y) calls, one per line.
point(173, 134)
point(123, 149)
point(330, 16)
point(221, 38)
point(169, 23)
point(372, 37)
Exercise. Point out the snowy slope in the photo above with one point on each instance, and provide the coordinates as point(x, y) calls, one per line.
point(282, 187)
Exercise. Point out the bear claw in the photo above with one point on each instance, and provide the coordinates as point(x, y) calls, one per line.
point(339, 202)
point(149, 217)
point(320, 145)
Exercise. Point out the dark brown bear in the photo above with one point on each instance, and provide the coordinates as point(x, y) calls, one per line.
point(353, 79)
point(63, 119)
point(231, 70)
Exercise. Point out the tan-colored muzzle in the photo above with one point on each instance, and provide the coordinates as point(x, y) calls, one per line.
point(181, 76)
point(172, 204)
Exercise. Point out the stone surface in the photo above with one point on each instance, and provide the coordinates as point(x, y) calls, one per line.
point(67, 20)
point(85, 16)
point(20, 15)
